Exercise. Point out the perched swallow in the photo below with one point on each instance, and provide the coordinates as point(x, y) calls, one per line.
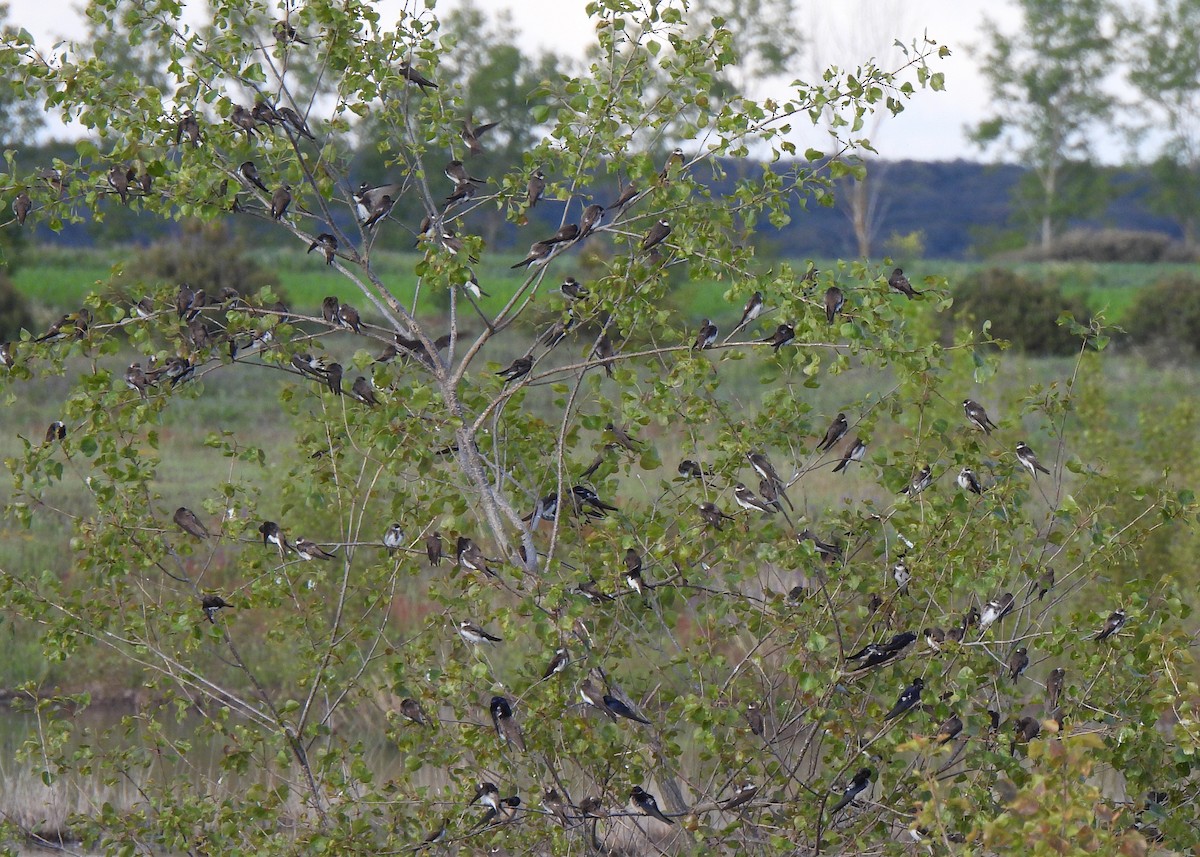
point(706, 337)
point(1025, 730)
point(620, 709)
point(471, 557)
point(1017, 662)
point(646, 803)
point(413, 76)
point(836, 431)
point(712, 515)
point(381, 206)
point(624, 198)
point(519, 368)
point(412, 710)
point(755, 719)
point(333, 378)
point(545, 509)
point(553, 801)
point(783, 334)
point(978, 416)
point(56, 431)
point(539, 252)
point(242, 117)
point(934, 637)
point(1029, 460)
point(309, 550)
point(273, 536)
point(119, 178)
point(901, 574)
point(875, 654)
point(327, 244)
point(920, 482)
point(280, 201)
point(585, 496)
point(826, 549)
point(1113, 624)
point(535, 188)
point(393, 538)
point(751, 311)
point(673, 160)
point(587, 223)
point(633, 572)
point(456, 171)
point(330, 309)
point(293, 120)
point(506, 726)
point(855, 451)
point(621, 437)
point(689, 469)
point(834, 301)
point(349, 317)
point(487, 794)
point(1043, 584)
point(968, 482)
point(908, 698)
point(594, 696)
point(433, 549)
point(749, 501)
point(995, 610)
point(857, 785)
point(21, 207)
point(362, 390)
point(249, 172)
point(187, 521)
point(210, 604)
point(900, 283)
point(656, 235)
point(558, 663)
point(471, 133)
point(188, 127)
point(1054, 687)
point(285, 33)
point(473, 633)
point(590, 590)
point(949, 730)
point(605, 352)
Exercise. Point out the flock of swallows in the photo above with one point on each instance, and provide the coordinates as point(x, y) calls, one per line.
point(372, 204)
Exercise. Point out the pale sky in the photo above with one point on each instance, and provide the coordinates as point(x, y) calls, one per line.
point(931, 127)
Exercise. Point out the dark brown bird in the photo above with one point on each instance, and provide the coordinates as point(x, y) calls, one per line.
point(379, 210)
point(1054, 687)
point(21, 207)
point(412, 710)
point(621, 437)
point(285, 33)
point(249, 172)
point(309, 550)
point(471, 557)
point(712, 515)
point(627, 194)
point(187, 521)
point(413, 76)
point(837, 429)
point(349, 317)
point(706, 337)
point(56, 431)
point(471, 133)
point(280, 201)
point(656, 235)
point(591, 217)
point(1026, 729)
point(241, 117)
point(1043, 584)
point(327, 244)
point(949, 730)
point(535, 188)
point(1017, 662)
point(119, 178)
point(433, 548)
point(566, 233)
point(293, 120)
point(331, 310)
point(187, 127)
point(362, 390)
point(834, 301)
point(539, 252)
point(900, 283)
point(647, 805)
point(210, 604)
point(519, 368)
point(755, 719)
point(752, 310)
point(605, 352)
point(783, 334)
point(333, 378)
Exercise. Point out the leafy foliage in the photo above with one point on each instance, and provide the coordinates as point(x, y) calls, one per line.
point(1018, 310)
point(1166, 316)
point(718, 632)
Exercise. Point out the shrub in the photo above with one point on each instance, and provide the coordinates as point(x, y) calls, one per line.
point(1110, 245)
point(1022, 311)
point(1166, 317)
point(14, 310)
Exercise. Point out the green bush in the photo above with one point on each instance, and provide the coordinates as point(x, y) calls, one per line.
point(1110, 245)
point(14, 310)
point(1022, 311)
point(1166, 316)
point(205, 256)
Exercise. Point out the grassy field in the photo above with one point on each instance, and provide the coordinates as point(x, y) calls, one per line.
point(58, 279)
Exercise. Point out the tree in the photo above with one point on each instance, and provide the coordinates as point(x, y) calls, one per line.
point(1164, 66)
point(1047, 83)
point(579, 457)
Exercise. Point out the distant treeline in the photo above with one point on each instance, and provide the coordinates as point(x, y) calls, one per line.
point(950, 209)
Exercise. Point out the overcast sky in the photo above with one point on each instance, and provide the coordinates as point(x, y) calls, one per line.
point(931, 128)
